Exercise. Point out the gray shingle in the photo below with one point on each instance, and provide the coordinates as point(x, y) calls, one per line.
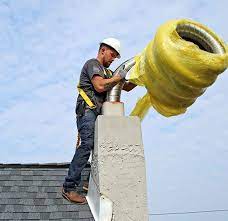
point(21, 195)
point(27, 173)
point(85, 214)
point(72, 207)
point(59, 201)
point(17, 216)
point(70, 215)
point(4, 172)
point(15, 172)
point(2, 208)
point(6, 188)
point(56, 215)
point(87, 219)
point(31, 178)
point(45, 216)
point(51, 189)
point(25, 201)
point(14, 208)
point(9, 201)
point(5, 177)
point(50, 172)
point(39, 202)
point(31, 215)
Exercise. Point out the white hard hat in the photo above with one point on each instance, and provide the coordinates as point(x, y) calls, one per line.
point(113, 43)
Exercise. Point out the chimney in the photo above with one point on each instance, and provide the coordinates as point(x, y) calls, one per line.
point(117, 186)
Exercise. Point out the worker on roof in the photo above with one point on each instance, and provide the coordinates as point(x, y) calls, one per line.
point(95, 80)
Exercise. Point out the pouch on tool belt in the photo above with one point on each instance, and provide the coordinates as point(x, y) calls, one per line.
point(80, 108)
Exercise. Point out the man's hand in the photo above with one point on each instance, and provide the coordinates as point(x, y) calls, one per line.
point(122, 73)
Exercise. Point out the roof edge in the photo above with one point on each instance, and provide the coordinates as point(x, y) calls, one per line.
point(37, 165)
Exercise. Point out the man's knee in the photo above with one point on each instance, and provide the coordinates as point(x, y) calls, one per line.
point(87, 144)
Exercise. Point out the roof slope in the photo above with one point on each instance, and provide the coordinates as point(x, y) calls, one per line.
point(33, 192)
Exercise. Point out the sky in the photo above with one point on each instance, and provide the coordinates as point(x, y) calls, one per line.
point(43, 46)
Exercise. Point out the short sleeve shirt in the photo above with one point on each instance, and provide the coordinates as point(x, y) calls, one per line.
point(92, 67)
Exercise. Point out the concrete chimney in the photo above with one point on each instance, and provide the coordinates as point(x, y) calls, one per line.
point(117, 186)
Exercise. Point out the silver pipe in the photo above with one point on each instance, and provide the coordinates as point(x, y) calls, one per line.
point(189, 32)
point(200, 37)
point(114, 94)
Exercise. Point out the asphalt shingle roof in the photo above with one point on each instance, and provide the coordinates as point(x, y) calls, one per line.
point(33, 192)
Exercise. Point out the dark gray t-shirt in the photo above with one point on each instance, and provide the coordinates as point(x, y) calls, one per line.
point(92, 67)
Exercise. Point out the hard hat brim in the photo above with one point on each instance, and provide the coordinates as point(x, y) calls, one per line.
point(112, 49)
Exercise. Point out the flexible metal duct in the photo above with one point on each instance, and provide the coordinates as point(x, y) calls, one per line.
point(114, 94)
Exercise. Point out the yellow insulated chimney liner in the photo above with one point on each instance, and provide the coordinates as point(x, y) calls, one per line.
point(175, 71)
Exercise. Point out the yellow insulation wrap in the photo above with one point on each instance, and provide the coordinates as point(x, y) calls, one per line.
point(175, 71)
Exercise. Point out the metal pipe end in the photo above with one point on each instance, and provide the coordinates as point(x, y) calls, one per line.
point(201, 37)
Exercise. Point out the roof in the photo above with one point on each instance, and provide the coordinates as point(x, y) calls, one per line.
point(33, 192)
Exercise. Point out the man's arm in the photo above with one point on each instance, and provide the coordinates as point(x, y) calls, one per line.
point(100, 84)
point(128, 86)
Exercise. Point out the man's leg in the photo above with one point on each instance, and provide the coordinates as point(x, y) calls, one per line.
point(85, 124)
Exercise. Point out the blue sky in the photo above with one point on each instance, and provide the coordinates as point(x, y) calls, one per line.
point(43, 45)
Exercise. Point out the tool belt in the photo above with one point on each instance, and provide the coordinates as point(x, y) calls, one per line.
point(86, 98)
point(85, 103)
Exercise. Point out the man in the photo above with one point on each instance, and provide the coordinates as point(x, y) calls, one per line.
point(95, 81)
